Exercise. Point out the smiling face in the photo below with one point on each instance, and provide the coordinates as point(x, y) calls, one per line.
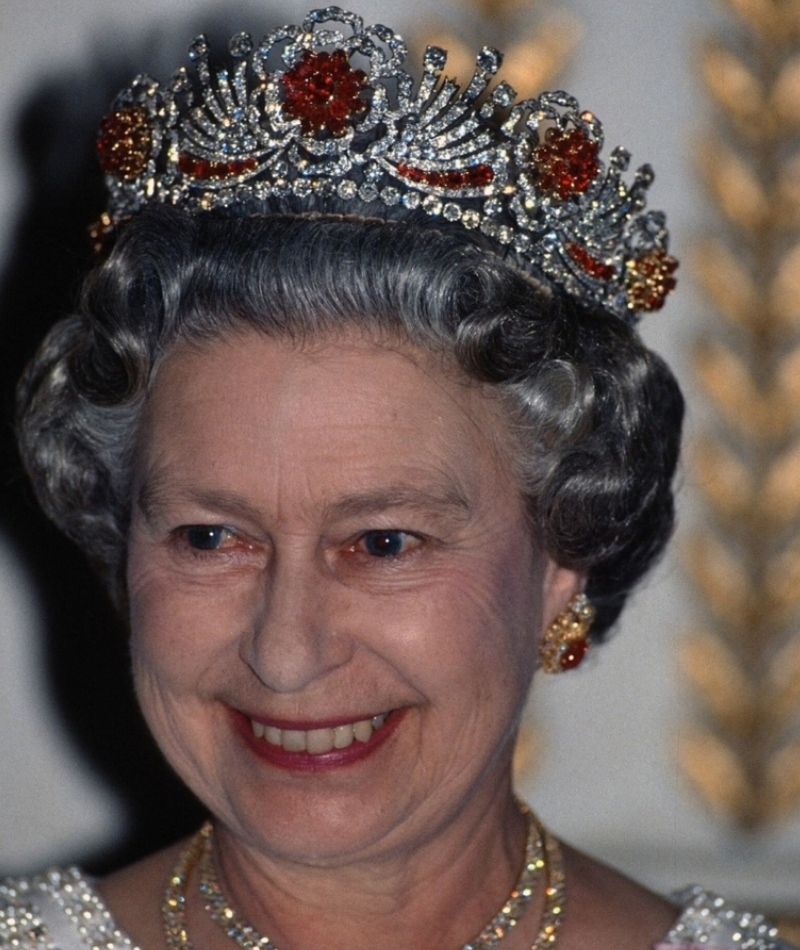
point(335, 597)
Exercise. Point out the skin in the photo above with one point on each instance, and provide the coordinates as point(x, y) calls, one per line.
point(296, 462)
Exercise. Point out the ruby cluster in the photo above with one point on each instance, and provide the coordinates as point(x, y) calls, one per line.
point(323, 91)
point(591, 265)
point(124, 143)
point(650, 280)
point(208, 171)
point(476, 176)
point(566, 162)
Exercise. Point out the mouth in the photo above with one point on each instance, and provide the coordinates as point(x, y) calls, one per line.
point(320, 746)
point(319, 741)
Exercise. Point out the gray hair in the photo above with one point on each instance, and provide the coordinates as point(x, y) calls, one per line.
point(597, 414)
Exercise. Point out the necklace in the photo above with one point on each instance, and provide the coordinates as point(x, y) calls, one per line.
point(542, 854)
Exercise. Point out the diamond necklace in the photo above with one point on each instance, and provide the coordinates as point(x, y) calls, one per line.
point(542, 854)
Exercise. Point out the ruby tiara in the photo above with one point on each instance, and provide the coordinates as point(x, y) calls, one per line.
point(326, 109)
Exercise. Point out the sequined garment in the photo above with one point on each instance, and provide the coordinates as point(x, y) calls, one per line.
point(709, 922)
point(61, 910)
point(57, 910)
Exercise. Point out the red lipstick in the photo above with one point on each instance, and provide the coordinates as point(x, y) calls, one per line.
point(304, 761)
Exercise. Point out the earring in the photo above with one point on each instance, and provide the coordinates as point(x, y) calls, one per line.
point(566, 640)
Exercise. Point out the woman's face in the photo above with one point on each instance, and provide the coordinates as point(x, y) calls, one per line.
point(328, 551)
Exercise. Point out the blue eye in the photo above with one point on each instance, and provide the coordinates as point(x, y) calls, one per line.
point(206, 537)
point(384, 543)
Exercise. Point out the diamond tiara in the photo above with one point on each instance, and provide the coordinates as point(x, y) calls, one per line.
point(326, 109)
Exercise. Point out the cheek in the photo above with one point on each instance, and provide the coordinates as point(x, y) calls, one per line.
point(476, 629)
point(180, 640)
point(179, 630)
point(501, 609)
point(164, 635)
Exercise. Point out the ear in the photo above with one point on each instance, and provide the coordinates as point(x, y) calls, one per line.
point(561, 584)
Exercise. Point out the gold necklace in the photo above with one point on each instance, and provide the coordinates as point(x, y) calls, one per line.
point(542, 853)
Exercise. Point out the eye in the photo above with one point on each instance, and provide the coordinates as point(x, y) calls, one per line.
point(388, 544)
point(208, 537)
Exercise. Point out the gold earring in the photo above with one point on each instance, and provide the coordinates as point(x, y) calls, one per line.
point(566, 640)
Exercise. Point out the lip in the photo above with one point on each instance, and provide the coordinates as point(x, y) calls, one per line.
point(305, 761)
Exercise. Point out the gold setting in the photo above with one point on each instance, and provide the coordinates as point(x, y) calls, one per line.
point(566, 640)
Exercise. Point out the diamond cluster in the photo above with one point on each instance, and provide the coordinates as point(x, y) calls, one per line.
point(709, 921)
point(326, 109)
point(73, 905)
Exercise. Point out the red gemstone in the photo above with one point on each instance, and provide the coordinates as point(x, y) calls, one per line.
point(650, 280)
point(573, 653)
point(416, 175)
point(315, 116)
point(204, 170)
point(480, 175)
point(338, 109)
point(323, 91)
point(124, 143)
point(452, 179)
point(566, 162)
point(590, 264)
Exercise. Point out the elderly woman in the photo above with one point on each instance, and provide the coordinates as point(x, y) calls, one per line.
point(355, 421)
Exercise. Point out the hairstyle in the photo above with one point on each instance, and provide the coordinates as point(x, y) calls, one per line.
point(597, 415)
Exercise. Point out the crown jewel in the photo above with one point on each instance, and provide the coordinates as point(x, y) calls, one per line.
point(325, 108)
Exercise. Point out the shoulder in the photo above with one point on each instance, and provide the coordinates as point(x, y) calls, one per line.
point(58, 910)
point(709, 920)
point(608, 911)
point(135, 895)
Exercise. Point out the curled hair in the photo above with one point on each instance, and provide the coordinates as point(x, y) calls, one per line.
point(597, 414)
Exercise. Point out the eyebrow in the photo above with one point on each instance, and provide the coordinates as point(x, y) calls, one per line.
point(155, 495)
point(441, 499)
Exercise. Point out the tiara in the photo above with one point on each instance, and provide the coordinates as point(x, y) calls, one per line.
point(326, 109)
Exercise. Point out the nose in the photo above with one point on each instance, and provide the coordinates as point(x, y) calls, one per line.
point(296, 635)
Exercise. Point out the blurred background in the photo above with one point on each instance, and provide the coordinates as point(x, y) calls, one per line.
point(671, 752)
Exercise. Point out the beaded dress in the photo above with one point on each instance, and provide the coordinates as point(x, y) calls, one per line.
point(62, 910)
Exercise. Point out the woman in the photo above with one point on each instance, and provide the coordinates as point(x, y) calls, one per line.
point(355, 421)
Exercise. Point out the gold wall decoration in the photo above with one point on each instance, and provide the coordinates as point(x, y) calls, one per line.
point(535, 38)
point(744, 758)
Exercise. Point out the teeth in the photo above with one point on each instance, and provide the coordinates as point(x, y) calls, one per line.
point(258, 729)
point(319, 741)
point(342, 736)
point(293, 740)
point(363, 730)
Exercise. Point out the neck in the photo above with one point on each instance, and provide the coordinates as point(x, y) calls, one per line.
point(438, 893)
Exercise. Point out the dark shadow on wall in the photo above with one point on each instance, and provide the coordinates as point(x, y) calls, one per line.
point(86, 648)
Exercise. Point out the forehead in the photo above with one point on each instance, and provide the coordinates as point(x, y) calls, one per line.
point(249, 409)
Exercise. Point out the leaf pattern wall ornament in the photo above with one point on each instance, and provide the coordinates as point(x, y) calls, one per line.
point(743, 661)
